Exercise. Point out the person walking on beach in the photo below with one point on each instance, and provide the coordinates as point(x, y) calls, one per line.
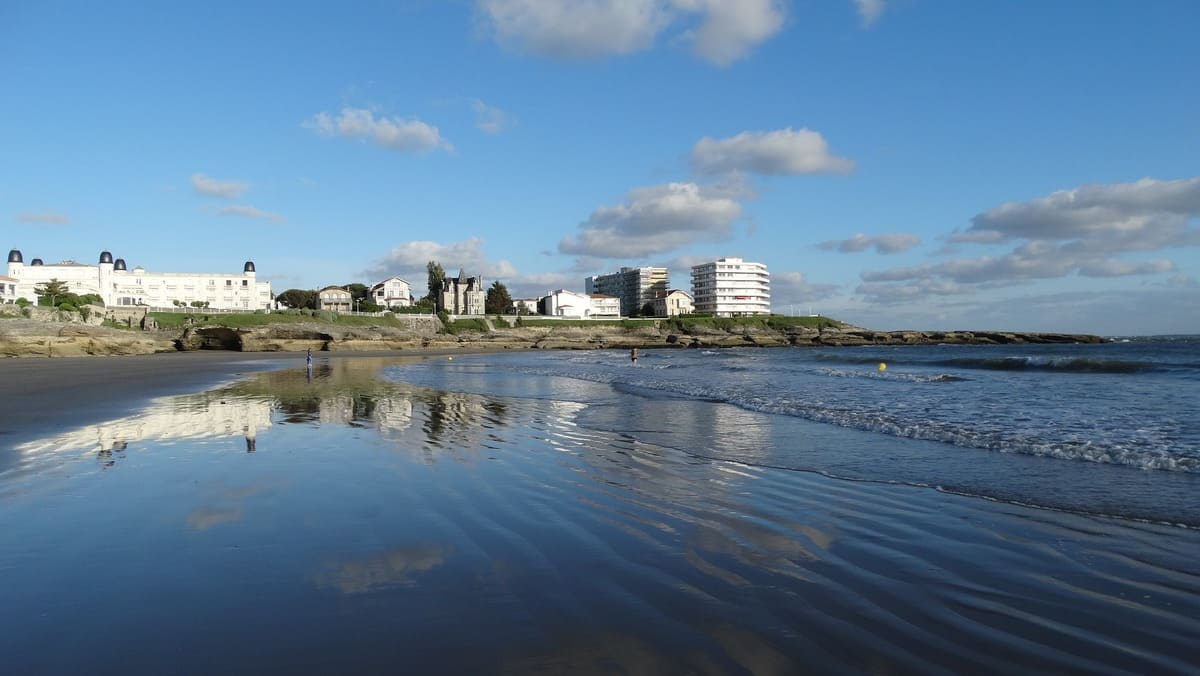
point(633, 355)
point(308, 359)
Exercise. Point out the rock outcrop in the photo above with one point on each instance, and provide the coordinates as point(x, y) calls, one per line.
point(56, 336)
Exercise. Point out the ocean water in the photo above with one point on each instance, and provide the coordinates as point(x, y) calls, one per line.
point(1056, 426)
point(760, 511)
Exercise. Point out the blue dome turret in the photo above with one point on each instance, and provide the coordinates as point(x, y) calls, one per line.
point(14, 256)
point(249, 267)
point(105, 257)
point(119, 264)
point(36, 261)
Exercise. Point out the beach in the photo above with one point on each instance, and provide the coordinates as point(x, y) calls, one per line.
point(546, 512)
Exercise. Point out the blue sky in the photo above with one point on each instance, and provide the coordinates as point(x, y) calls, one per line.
point(895, 163)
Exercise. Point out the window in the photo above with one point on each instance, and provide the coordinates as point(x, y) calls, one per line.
point(229, 282)
point(244, 282)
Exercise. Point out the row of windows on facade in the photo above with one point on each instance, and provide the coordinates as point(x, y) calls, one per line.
point(211, 282)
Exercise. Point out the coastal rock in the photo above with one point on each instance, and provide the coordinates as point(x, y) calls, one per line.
point(55, 335)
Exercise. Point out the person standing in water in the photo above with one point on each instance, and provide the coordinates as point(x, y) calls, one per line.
point(308, 359)
point(633, 355)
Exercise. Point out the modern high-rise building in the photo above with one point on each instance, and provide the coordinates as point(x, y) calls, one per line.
point(634, 286)
point(731, 287)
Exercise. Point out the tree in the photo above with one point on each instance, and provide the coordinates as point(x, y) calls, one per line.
point(51, 292)
point(498, 301)
point(437, 276)
point(648, 310)
point(357, 291)
point(298, 299)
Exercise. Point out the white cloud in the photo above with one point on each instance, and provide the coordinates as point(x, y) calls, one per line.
point(1081, 231)
point(869, 11)
point(410, 258)
point(489, 119)
point(211, 187)
point(784, 151)
point(654, 220)
point(1141, 216)
point(884, 244)
point(729, 29)
point(248, 211)
point(913, 290)
point(43, 218)
point(393, 133)
point(794, 288)
point(588, 29)
point(576, 29)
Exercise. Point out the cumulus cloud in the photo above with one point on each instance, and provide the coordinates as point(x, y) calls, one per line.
point(1082, 231)
point(211, 187)
point(784, 151)
point(869, 11)
point(1144, 215)
point(918, 289)
point(576, 29)
point(43, 218)
point(587, 29)
point(489, 119)
point(410, 258)
point(793, 287)
point(655, 219)
point(884, 244)
point(247, 211)
point(393, 133)
point(729, 29)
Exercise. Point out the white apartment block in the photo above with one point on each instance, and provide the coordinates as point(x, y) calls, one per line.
point(634, 286)
point(731, 287)
point(117, 285)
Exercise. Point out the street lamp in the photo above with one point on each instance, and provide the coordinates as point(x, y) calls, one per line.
point(356, 302)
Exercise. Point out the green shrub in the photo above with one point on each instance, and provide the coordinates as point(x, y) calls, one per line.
point(461, 325)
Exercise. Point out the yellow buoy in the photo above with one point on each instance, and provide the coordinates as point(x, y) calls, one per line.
point(882, 366)
point(449, 358)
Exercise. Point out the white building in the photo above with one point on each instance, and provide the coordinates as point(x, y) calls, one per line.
point(392, 292)
point(117, 285)
point(563, 303)
point(604, 306)
point(634, 286)
point(676, 302)
point(8, 289)
point(524, 306)
point(731, 287)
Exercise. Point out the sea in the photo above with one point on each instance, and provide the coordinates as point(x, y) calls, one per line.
point(885, 510)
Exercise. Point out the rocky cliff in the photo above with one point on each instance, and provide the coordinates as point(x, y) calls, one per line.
point(60, 335)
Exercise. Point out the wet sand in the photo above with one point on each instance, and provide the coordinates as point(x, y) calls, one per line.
point(43, 394)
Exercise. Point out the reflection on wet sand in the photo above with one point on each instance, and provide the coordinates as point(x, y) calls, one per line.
point(343, 392)
point(394, 567)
